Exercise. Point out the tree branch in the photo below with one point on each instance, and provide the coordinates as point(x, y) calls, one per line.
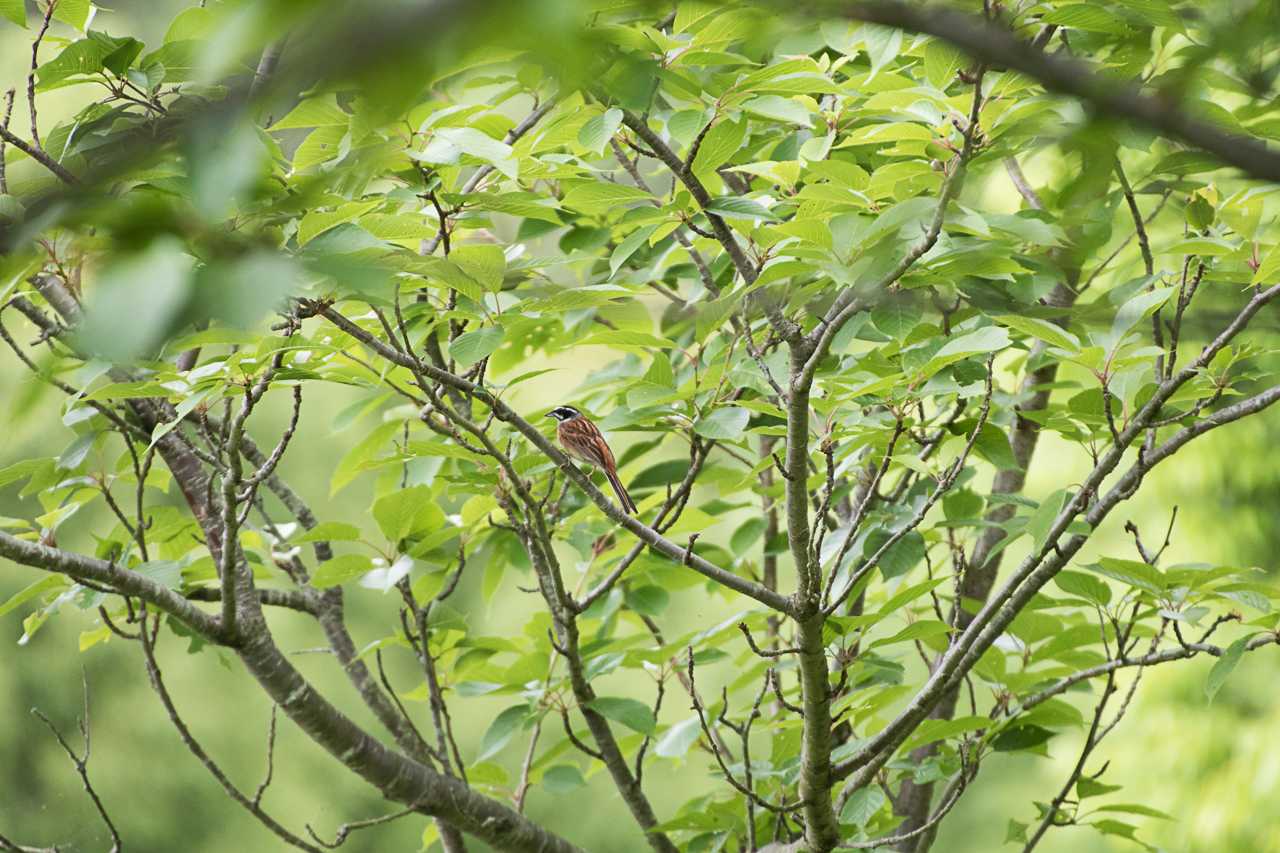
point(994, 45)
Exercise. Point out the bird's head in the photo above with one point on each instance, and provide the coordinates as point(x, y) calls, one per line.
point(564, 413)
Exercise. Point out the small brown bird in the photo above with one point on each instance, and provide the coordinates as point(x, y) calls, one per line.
point(583, 440)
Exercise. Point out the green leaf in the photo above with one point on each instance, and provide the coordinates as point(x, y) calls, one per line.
point(1134, 808)
point(165, 572)
point(329, 531)
point(194, 23)
point(1086, 787)
point(1050, 333)
point(882, 43)
point(985, 340)
point(317, 222)
point(1020, 738)
point(726, 423)
point(935, 730)
point(1206, 247)
point(598, 130)
point(649, 600)
point(941, 62)
point(628, 247)
point(77, 59)
point(1224, 666)
point(736, 207)
point(143, 292)
point(483, 262)
point(779, 108)
point(629, 712)
point(562, 779)
point(1138, 309)
point(314, 112)
point(1041, 521)
point(34, 590)
point(1081, 16)
point(865, 803)
point(470, 347)
point(626, 338)
point(903, 556)
point(719, 145)
point(406, 511)
point(73, 12)
point(501, 730)
point(1085, 586)
point(449, 143)
point(676, 741)
point(14, 10)
point(896, 317)
point(1132, 572)
point(920, 630)
point(992, 444)
point(1268, 269)
point(599, 196)
point(361, 454)
point(340, 570)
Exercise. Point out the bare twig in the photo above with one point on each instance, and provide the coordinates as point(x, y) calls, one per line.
point(81, 762)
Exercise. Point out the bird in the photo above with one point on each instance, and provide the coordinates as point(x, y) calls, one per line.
point(583, 440)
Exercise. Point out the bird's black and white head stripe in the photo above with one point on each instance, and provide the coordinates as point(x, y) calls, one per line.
point(564, 413)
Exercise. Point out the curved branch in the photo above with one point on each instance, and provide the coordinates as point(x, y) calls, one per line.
point(82, 568)
point(1110, 96)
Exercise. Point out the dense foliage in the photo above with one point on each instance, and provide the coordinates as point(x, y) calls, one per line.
point(828, 284)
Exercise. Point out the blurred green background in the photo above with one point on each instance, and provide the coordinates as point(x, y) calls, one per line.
point(1214, 767)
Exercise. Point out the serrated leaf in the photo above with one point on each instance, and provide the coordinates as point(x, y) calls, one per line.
point(985, 340)
point(736, 207)
point(628, 247)
point(340, 570)
point(629, 712)
point(865, 803)
point(317, 222)
point(77, 13)
point(1138, 309)
point(626, 338)
point(1085, 586)
point(598, 130)
point(941, 62)
point(992, 444)
point(1020, 737)
point(779, 108)
point(1083, 16)
point(726, 423)
point(448, 143)
point(1041, 521)
point(1224, 666)
point(314, 112)
point(676, 741)
point(1050, 333)
point(920, 630)
point(896, 317)
point(329, 531)
point(470, 347)
point(1207, 247)
point(602, 196)
point(482, 262)
point(35, 590)
point(719, 145)
point(501, 730)
point(14, 10)
point(1140, 575)
point(562, 779)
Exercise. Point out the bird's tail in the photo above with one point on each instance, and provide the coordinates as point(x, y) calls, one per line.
point(628, 505)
